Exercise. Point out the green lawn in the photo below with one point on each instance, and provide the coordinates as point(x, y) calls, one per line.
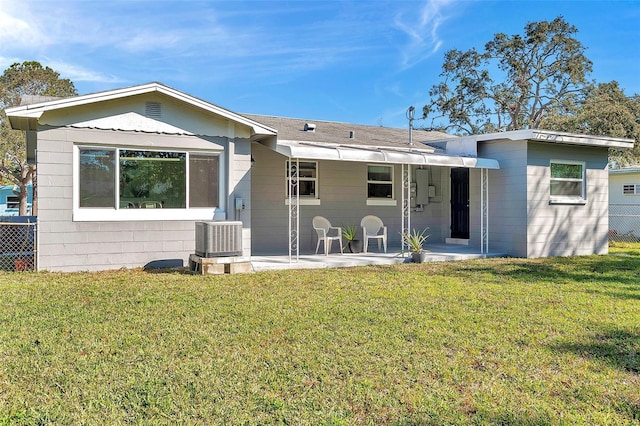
point(499, 341)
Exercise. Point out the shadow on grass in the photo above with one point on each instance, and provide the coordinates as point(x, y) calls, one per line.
point(615, 347)
point(618, 271)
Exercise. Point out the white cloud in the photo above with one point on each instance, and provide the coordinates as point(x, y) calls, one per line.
point(15, 31)
point(78, 73)
point(424, 39)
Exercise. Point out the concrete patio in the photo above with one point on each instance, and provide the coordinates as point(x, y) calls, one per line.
point(437, 253)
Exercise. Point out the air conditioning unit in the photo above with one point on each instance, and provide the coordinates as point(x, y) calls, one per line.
point(218, 239)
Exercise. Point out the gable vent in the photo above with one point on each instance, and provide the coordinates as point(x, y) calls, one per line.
point(153, 109)
point(309, 127)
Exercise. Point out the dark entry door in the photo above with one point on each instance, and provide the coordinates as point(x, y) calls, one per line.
point(460, 203)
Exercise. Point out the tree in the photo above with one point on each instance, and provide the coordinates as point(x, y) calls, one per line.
point(513, 83)
point(27, 78)
point(604, 111)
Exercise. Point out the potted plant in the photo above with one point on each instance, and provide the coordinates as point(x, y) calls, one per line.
point(349, 233)
point(414, 241)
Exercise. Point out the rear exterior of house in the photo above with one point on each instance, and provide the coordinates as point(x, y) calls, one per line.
point(125, 175)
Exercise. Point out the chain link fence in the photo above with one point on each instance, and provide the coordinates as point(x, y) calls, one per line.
point(18, 243)
point(624, 223)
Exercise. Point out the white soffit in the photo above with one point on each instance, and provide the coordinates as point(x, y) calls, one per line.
point(371, 154)
point(131, 122)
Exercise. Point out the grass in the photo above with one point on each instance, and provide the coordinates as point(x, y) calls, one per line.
point(502, 341)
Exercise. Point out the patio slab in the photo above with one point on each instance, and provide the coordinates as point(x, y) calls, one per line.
point(437, 253)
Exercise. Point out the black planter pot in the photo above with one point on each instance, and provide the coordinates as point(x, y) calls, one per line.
point(355, 246)
point(419, 257)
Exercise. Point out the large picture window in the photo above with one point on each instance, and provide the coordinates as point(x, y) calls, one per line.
point(142, 179)
point(567, 181)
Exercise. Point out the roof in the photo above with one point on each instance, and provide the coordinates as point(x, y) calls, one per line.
point(25, 117)
point(328, 140)
point(550, 136)
point(293, 129)
point(625, 170)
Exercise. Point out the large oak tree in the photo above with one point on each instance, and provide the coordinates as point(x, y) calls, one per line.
point(20, 79)
point(604, 111)
point(513, 83)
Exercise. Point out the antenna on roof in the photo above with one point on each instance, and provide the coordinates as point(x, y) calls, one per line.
point(410, 114)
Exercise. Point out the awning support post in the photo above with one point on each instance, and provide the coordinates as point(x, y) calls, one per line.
point(484, 210)
point(294, 210)
point(406, 204)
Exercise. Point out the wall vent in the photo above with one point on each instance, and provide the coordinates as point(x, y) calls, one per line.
point(153, 109)
point(309, 127)
point(218, 239)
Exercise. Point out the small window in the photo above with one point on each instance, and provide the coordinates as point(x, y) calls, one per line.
point(567, 181)
point(631, 189)
point(13, 203)
point(307, 178)
point(380, 182)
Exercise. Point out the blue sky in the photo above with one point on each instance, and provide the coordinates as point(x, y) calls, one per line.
point(362, 62)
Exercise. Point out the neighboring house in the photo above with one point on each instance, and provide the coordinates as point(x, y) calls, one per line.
point(9, 203)
point(124, 175)
point(624, 204)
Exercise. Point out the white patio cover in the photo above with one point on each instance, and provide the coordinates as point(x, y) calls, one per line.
point(375, 154)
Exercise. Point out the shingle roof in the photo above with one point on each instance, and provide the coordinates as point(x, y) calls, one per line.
point(293, 129)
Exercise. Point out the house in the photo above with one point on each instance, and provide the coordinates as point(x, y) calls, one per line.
point(624, 204)
point(9, 203)
point(125, 175)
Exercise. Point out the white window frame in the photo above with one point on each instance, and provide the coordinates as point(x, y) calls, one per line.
point(569, 199)
point(635, 189)
point(307, 200)
point(382, 201)
point(114, 214)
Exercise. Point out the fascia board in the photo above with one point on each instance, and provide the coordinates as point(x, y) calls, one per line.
point(550, 136)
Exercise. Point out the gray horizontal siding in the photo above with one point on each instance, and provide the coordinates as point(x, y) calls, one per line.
point(567, 229)
point(342, 190)
point(507, 196)
point(65, 245)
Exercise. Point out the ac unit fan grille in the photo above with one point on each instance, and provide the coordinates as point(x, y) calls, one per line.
point(218, 239)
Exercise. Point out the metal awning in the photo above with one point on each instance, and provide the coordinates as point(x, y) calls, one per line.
point(378, 154)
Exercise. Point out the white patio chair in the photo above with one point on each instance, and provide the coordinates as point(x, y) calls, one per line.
point(323, 228)
point(371, 229)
